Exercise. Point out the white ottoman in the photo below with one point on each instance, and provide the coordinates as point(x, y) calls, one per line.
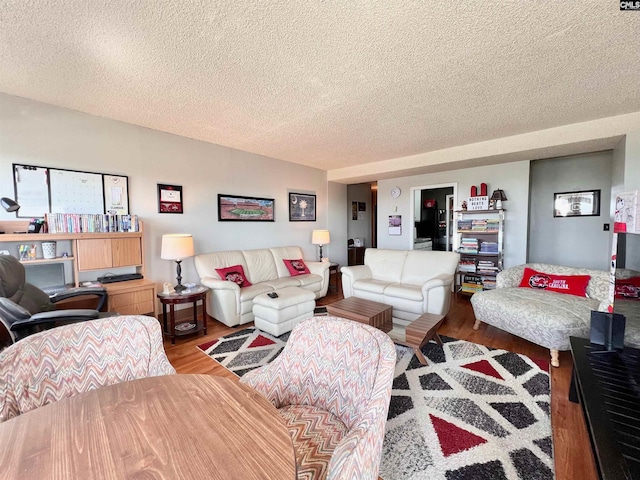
point(279, 315)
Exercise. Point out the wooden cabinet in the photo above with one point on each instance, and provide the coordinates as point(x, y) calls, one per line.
point(480, 245)
point(97, 251)
point(356, 256)
point(135, 297)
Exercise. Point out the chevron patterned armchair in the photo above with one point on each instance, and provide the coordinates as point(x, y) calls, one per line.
point(68, 360)
point(332, 385)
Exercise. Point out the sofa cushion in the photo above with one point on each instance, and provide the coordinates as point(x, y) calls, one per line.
point(315, 433)
point(282, 282)
point(370, 285)
point(567, 284)
point(281, 253)
point(403, 290)
point(422, 265)
point(260, 265)
point(296, 267)
point(385, 265)
point(207, 263)
point(249, 293)
point(235, 274)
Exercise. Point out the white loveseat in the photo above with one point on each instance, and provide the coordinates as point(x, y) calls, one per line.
point(545, 318)
point(265, 269)
point(412, 281)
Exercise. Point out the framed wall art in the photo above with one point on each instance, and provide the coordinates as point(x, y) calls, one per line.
point(234, 208)
point(302, 207)
point(169, 198)
point(577, 204)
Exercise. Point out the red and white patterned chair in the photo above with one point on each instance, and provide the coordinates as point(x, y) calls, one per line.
point(332, 385)
point(68, 360)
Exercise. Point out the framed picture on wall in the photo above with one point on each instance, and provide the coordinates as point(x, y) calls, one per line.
point(234, 208)
point(302, 207)
point(577, 204)
point(169, 198)
point(116, 194)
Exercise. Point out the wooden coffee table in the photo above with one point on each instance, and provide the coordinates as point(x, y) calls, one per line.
point(419, 332)
point(364, 311)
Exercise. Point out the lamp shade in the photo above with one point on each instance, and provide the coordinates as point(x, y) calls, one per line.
point(176, 246)
point(321, 237)
point(498, 195)
point(9, 205)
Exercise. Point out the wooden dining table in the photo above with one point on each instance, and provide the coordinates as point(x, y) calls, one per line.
point(195, 427)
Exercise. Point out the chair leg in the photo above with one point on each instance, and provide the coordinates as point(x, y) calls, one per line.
point(476, 325)
point(555, 361)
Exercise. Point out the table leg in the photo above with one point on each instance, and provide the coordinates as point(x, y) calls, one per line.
point(195, 313)
point(172, 323)
point(164, 317)
point(573, 392)
point(204, 318)
point(420, 356)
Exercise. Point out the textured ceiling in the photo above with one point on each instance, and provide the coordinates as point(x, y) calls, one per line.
point(324, 83)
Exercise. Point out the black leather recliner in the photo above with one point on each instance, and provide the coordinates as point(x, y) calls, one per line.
point(25, 309)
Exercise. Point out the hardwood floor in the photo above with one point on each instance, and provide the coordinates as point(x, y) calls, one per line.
point(572, 448)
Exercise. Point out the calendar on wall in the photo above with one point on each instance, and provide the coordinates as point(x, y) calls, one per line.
point(40, 190)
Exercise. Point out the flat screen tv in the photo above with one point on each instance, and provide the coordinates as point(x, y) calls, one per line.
point(627, 277)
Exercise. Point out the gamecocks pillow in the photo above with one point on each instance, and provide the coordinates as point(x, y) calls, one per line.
point(296, 267)
point(235, 274)
point(570, 284)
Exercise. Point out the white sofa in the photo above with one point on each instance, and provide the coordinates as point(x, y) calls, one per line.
point(265, 269)
point(542, 317)
point(412, 281)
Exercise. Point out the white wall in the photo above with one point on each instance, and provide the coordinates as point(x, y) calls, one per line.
point(337, 224)
point(513, 178)
point(571, 241)
point(44, 135)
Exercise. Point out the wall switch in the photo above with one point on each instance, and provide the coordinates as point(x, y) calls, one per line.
point(395, 209)
point(605, 227)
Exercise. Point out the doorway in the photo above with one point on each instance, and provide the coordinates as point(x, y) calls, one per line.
point(433, 207)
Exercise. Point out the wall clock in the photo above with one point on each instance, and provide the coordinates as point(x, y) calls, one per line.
point(395, 192)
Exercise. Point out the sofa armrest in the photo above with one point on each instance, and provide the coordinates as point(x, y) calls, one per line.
point(352, 274)
point(437, 294)
point(217, 284)
point(437, 281)
point(510, 277)
point(322, 269)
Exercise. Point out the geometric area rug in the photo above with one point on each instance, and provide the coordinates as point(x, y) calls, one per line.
point(473, 413)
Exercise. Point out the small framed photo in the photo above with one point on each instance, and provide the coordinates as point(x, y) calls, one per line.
point(234, 208)
point(577, 204)
point(302, 207)
point(169, 198)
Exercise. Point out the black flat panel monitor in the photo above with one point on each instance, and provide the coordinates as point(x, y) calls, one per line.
point(46, 276)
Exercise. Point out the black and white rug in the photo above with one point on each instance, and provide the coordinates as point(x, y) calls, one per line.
point(472, 413)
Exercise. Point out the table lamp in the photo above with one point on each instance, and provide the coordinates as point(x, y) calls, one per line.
point(321, 237)
point(9, 205)
point(177, 246)
point(499, 197)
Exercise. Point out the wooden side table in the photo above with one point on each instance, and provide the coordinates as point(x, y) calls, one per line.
point(419, 332)
point(195, 295)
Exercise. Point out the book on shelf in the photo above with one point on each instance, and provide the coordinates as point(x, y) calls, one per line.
point(467, 264)
point(91, 223)
point(489, 247)
point(468, 245)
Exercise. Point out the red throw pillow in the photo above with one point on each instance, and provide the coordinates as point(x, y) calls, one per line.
point(235, 274)
point(570, 284)
point(628, 288)
point(296, 267)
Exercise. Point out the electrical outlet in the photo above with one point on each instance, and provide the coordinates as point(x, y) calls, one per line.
point(605, 227)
